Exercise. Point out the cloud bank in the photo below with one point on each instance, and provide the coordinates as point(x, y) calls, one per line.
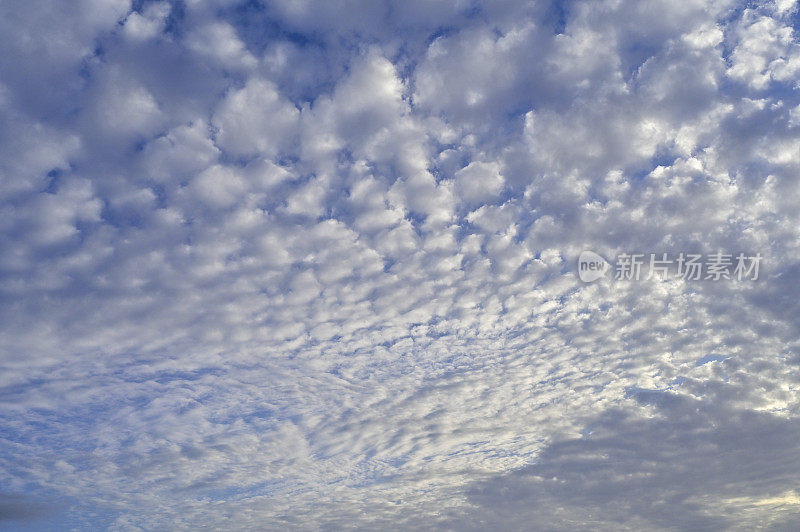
point(312, 264)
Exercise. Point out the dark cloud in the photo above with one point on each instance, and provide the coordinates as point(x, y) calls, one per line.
point(674, 463)
point(15, 507)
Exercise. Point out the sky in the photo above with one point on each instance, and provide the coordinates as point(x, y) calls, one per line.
point(317, 265)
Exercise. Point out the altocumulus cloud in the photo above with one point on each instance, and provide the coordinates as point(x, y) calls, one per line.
point(306, 264)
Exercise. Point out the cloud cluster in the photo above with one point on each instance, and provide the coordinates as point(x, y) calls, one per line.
point(311, 264)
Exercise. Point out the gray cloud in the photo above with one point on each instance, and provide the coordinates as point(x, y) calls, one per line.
point(678, 463)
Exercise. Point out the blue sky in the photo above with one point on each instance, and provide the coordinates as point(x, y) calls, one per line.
point(312, 265)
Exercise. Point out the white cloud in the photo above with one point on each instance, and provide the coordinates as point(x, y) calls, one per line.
point(765, 51)
point(479, 183)
point(146, 25)
point(220, 42)
point(313, 265)
point(256, 120)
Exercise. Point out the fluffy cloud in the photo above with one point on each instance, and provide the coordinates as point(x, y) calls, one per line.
point(256, 120)
point(312, 265)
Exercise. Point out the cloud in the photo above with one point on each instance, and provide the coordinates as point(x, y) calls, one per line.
point(677, 462)
point(313, 264)
point(18, 508)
